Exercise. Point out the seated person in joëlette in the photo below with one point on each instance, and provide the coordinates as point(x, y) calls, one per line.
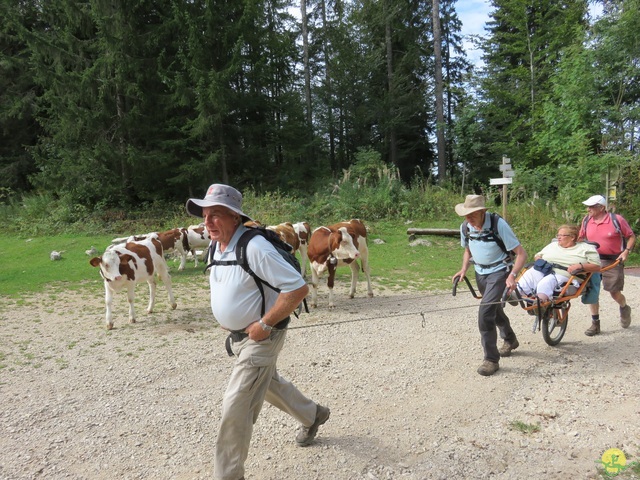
point(568, 257)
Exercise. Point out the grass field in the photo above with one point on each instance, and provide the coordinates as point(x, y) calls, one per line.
point(395, 264)
point(27, 267)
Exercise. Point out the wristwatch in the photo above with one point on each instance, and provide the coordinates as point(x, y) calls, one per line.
point(265, 327)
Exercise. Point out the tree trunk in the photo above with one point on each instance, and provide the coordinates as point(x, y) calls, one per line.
point(329, 93)
point(393, 147)
point(440, 124)
point(305, 56)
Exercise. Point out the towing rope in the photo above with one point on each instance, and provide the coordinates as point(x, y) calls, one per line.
point(394, 315)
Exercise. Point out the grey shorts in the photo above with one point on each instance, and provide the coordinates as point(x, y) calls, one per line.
point(613, 280)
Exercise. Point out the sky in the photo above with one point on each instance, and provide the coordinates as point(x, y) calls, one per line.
point(473, 14)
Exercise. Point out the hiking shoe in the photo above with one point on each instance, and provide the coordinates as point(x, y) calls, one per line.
point(307, 434)
point(488, 368)
point(625, 316)
point(594, 329)
point(505, 350)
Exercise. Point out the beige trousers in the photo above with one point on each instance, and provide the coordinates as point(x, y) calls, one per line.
point(254, 379)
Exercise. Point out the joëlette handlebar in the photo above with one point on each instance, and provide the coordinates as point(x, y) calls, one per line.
point(456, 279)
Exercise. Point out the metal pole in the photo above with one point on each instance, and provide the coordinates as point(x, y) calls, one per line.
point(606, 189)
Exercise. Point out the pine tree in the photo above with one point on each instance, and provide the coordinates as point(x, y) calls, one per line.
point(522, 51)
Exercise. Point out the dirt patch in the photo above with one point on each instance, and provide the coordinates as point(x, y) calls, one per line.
point(398, 372)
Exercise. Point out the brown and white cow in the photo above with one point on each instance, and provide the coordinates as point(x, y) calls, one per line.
point(197, 239)
point(287, 234)
point(334, 246)
point(125, 265)
point(303, 230)
point(174, 240)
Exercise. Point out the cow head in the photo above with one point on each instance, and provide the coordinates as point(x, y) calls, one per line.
point(341, 245)
point(109, 265)
point(303, 230)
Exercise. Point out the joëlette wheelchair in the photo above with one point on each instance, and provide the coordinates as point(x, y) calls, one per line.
point(551, 316)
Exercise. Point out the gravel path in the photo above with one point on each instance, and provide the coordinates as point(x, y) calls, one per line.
point(143, 401)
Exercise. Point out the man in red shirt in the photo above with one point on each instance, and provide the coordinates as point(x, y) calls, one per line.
point(599, 226)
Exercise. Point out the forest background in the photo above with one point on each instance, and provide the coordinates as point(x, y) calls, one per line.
point(116, 112)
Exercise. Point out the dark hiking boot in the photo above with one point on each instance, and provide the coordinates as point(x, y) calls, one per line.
point(307, 434)
point(507, 348)
point(488, 368)
point(594, 329)
point(625, 316)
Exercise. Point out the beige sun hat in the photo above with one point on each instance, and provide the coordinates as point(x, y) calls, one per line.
point(472, 203)
point(218, 194)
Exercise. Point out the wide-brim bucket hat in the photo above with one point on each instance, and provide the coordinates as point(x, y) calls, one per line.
point(218, 194)
point(472, 203)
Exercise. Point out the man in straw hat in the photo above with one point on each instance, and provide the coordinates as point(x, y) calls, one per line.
point(254, 340)
point(615, 241)
point(490, 252)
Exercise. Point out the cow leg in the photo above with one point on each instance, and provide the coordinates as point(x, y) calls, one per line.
point(304, 259)
point(195, 258)
point(354, 278)
point(330, 282)
point(108, 300)
point(152, 294)
point(314, 286)
point(363, 248)
point(367, 272)
point(183, 260)
point(131, 286)
point(163, 274)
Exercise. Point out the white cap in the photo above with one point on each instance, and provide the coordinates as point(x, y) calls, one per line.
point(595, 200)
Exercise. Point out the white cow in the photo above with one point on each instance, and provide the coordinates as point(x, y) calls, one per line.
point(197, 238)
point(123, 266)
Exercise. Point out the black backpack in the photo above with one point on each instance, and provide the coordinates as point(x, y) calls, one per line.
point(490, 235)
point(282, 247)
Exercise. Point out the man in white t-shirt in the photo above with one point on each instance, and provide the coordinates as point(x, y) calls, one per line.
point(255, 339)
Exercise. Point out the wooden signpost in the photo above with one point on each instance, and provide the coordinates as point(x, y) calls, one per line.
point(507, 179)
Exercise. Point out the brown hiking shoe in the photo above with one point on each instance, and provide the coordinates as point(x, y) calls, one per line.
point(506, 348)
point(625, 316)
point(307, 434)
point(594, 329)
point(488, 368)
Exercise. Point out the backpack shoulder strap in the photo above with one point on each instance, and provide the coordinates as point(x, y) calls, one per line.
point(495, 218)
point(465, 232)
point(241, 258)
point(241, 261)
point(585, 220)
point(616, 225)
point(492, 235)
point(211, 250)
